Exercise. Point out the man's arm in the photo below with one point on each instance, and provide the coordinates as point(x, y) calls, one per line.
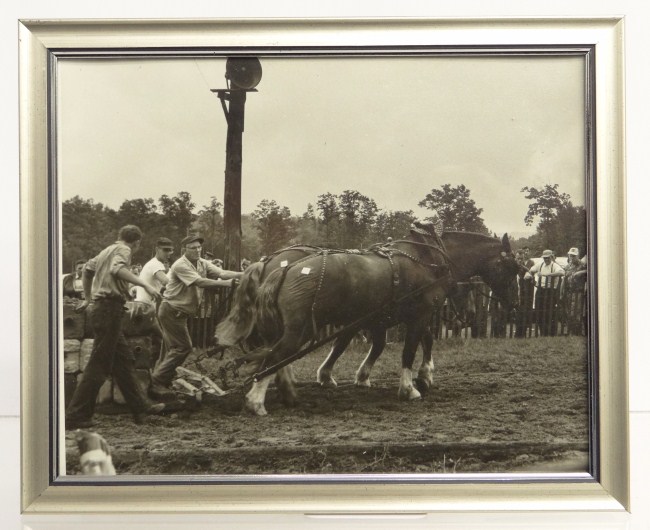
point(87, 281)
point(123, 273)
point(161, 277)
point(215, 272)
point(207, 283)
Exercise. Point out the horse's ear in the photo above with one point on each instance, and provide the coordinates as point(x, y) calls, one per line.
point(505, 242)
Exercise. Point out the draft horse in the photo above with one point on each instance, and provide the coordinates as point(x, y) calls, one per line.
point(238, 328)
point(370, 291)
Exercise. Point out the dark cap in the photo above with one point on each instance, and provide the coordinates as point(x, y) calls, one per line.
point(191, 239)
point(164, 242)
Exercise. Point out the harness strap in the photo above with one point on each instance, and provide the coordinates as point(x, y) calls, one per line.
point(318, 288)
point(313, 345)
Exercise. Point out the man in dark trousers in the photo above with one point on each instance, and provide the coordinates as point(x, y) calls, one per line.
point(106, 280)
point(188, 277)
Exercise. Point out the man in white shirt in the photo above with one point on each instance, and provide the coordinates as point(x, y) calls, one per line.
point(154, 271)
point(548, 275)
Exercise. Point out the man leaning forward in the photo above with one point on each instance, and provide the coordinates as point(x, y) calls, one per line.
point(188, 277)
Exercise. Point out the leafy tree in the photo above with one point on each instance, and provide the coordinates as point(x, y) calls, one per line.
point(178, 210)
point(393, 224)
point(210, 224)
point(250, 242)
point(87, 227)
point(307, 227)
point(143, 213)
point(357, 214)
point(329, 217)
point(274, 225)
point(455, 208)
point(561, 224)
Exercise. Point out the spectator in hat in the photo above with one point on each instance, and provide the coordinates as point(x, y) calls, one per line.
point(547, 275)
point(73, 283)
point(575, 272)
point(106, 280)
point(573, 289)
point(188, 277)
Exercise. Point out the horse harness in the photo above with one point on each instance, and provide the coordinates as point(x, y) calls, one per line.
point(387, 251)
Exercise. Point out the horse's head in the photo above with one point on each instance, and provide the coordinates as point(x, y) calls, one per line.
point(427, 229)
point(499, 271)
point(239, 322)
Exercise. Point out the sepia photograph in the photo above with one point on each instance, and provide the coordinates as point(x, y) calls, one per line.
point(325, 265)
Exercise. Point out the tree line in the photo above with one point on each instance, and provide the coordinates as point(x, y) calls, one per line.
point(346, 220)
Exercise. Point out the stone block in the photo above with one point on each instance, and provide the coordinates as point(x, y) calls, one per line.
point(71, 353)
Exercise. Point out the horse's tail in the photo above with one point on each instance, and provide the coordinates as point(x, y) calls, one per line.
point(238, 325)
point(268, 319)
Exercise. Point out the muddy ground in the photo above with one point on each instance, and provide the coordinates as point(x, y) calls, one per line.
point(497, 405)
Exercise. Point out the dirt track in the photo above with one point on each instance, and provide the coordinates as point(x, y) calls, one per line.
point(497, 405)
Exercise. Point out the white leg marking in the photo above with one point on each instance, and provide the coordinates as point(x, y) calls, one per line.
point(256, 395)
point(406, 389)
point(324, 375)
point(426, 371)
point(362, 377)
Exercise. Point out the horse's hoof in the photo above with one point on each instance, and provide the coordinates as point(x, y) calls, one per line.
point(363, 382)
point(256, 408)
point(408, 394)
point(422, 385)
point(328, 383)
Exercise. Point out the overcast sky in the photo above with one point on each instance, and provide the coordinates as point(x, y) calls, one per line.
point(391, 128)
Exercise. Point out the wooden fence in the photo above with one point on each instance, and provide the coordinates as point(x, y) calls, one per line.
point(546, 310)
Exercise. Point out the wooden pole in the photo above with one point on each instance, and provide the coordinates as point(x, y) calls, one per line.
point(232, 191)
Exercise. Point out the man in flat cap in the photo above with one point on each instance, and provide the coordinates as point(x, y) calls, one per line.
point(188, 277)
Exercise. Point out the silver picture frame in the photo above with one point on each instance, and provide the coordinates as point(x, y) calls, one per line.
point(43, 42)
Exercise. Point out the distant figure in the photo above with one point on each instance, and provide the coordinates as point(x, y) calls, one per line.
point(526, 289)
point(244, 264)
point(72, 286)
point(547, 280)
point(218, 262)
point(94, 454)
point(573, 289)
